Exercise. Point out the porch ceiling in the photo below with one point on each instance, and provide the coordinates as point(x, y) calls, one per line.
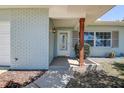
point(65, 22)
point(68, 15)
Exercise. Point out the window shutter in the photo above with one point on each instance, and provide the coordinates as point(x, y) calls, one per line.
point(75, 37)
point(115, 39)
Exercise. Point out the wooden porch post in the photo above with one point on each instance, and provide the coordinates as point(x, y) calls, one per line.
point(81, 38)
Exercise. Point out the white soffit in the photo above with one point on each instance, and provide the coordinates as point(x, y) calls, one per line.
point(61, 12)
point(65, 22)
point(68, 15)
point(24, 6)
point(109, 23)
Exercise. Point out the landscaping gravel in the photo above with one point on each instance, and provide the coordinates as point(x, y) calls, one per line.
point(95, 79)
point(18, 78)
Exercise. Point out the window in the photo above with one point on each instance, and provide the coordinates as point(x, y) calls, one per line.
point(89, 38)
point(63, 38)
point(103, 39)
point(98, 39)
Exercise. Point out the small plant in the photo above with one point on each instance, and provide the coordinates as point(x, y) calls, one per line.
point(77, 49)
point(86, 50)
point(112, 54)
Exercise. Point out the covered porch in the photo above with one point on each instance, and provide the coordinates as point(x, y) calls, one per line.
point(67, 28)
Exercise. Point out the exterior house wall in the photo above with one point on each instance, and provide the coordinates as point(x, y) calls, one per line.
point(75, 40)
point(4, 43)
point(29, 37)
point(51, 42)
point(55, 44)
point(101, 51)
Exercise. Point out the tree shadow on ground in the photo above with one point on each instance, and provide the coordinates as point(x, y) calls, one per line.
point(119, 67)
point(95, 79)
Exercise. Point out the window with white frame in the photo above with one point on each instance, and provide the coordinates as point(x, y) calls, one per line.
point(103, 39)
point(98, 39)
point(89, 38)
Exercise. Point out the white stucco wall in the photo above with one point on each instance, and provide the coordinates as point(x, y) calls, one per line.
point(51, 42)
point(29, 37)
point(101, 51)
point(4, 43)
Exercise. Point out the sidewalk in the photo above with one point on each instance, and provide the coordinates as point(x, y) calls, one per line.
point(53, 79)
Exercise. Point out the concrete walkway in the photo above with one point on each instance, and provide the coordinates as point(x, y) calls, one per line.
point(60, 72)
point(53, 79)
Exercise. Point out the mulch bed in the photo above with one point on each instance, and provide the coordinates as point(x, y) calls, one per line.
point(17, 79)
point(95, 79)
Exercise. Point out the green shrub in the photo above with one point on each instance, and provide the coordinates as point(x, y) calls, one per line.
point(77, 48)
point(86, 50)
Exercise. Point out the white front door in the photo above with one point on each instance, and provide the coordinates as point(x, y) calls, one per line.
point(63, 43)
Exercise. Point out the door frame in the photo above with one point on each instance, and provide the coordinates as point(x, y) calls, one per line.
point(68, 42)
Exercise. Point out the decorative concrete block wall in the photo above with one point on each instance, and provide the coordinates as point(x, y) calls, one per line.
point(29, 38)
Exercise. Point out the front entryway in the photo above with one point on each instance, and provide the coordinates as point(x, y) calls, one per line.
point(63, 43)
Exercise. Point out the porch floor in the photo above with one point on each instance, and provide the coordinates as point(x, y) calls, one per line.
point(64, 63)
